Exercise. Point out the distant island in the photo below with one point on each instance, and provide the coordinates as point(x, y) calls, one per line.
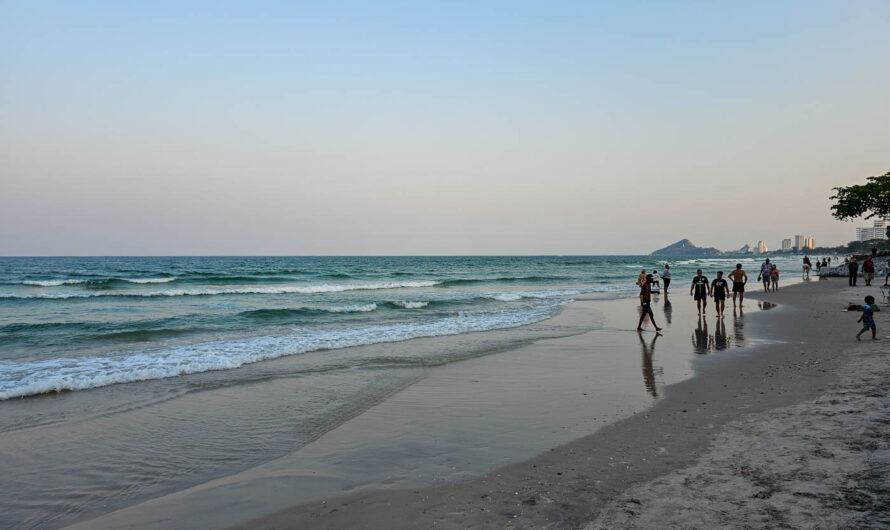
point(684, 247)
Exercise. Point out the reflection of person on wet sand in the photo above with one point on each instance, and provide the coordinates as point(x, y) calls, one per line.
point(737, 324)
point(668, 309)
point(720, 340)
point(648, 369)
point(700, 336)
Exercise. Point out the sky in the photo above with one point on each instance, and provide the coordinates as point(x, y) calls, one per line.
point(452, 127)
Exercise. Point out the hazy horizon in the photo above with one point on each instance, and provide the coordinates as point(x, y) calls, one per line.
point(501, 128)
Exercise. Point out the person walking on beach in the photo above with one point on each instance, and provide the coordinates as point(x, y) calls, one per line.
point(739, 278)
point(886, 276)
point(645, 303)
point(774, 278)
point(699, 291)
point(641, 279)
point(666, 277)
point(868, 319)
point(806, 268)
point(853, 272)
point(765, 270)
point(719, 288)
point(868, 270)
point(656, 280)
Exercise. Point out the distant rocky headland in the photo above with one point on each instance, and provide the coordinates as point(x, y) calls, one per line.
point(684, 247)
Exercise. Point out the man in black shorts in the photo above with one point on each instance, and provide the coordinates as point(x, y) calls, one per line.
point(739, 278)
point(645, 302)
point(699, 291)
point(719, 288)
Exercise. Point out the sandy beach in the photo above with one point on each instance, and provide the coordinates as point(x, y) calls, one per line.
point(775, 422)
point(786, 434)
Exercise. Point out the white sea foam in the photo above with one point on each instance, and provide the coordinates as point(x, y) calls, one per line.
point(411, 305)
point(353, 308)
point(78, 373)
point(56, 283)
point(52, 283)
point(278, 289)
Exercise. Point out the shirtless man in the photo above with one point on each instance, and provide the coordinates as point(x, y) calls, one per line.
point(739, 278)
point(645, 303)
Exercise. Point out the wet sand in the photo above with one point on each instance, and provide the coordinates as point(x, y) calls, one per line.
point(788, 433)
point(428, 448)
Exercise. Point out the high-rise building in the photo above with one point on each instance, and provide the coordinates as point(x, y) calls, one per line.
point(761, 247)
point(877, 231)
point(800, 242)
point(786, 244)
point(811, 243)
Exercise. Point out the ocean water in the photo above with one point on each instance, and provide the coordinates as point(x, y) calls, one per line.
point(125, 379)
point(81, 323)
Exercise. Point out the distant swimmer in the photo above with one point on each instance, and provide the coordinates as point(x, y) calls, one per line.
point(645, 303)
point(739, 278)
point(699, 291)
point(719, 288)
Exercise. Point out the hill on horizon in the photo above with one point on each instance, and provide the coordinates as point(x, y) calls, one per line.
point(685, 247)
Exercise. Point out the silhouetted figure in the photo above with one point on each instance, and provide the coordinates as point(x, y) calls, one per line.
point(646, 303)
point(853, 270)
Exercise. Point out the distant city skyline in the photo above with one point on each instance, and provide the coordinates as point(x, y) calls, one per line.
point(279, 128)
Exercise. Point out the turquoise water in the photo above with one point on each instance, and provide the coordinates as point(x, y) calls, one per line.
point(79, 323)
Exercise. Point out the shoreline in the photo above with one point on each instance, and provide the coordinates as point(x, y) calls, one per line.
point(571, 485)
point(507, 430)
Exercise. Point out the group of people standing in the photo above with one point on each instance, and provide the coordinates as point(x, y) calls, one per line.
point(868, 271)
point(700, 290)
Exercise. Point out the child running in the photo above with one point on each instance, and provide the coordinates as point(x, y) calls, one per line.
point(868, 319)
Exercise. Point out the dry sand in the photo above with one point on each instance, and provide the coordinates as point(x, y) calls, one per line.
point(792, 434)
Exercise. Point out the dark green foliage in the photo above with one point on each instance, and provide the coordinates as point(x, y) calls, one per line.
point(871, 199)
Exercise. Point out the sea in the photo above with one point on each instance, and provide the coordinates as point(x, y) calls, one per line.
point(112, 359)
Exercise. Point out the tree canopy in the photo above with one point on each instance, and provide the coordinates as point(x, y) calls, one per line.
point(871, 199)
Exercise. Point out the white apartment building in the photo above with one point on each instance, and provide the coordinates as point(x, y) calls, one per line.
point(878, 231)
point(786, 244)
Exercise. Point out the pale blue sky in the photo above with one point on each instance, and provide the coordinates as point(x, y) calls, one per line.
point(434, 128)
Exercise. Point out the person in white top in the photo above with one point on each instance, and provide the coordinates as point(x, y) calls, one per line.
point(667, 278)
point(656, 280)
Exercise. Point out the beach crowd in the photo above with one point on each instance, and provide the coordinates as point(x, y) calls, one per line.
point(701, 288)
